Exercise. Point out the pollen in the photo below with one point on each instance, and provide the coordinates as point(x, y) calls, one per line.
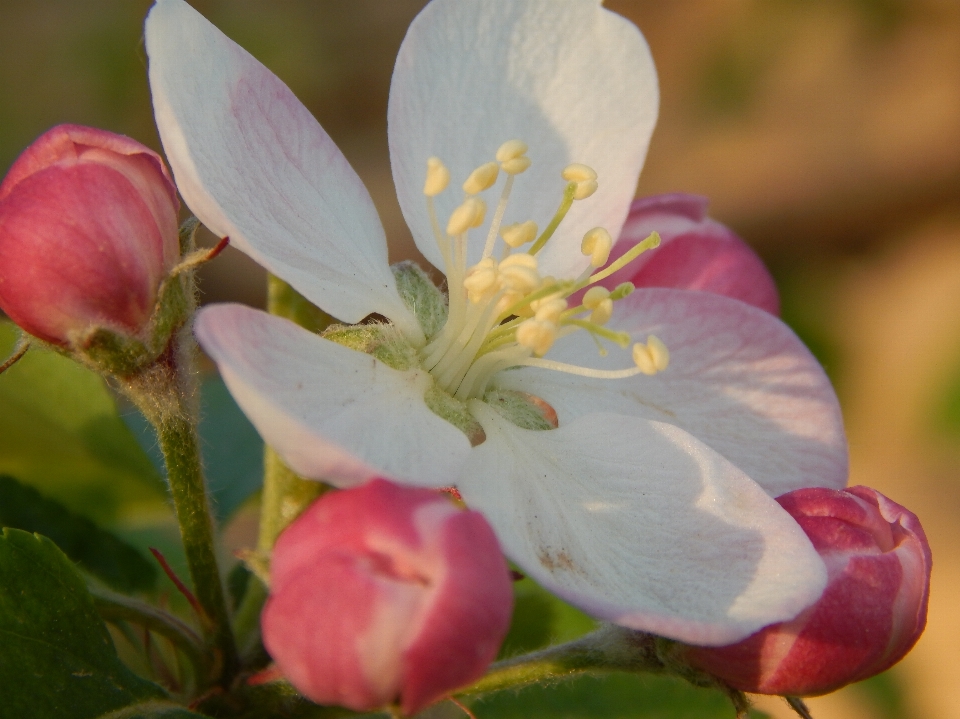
point(519, 233)
point(597, 243)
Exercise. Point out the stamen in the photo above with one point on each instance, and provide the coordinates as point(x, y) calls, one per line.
point(621, 339)
point(519, 233)
point(597, 243)
point(538, 335)
point(565, 204)
point(481, 280)
point(438, 177)
point(651, 357)
point(652, 241)
point(584, 176)
point(516, 166)
point(498, 217)
point(580, 371)
point(518, 273)
point(510, 150)
point(467, 215)
point(594, 296)
point(482, 178)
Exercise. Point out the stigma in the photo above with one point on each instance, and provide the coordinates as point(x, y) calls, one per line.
point(502, 312)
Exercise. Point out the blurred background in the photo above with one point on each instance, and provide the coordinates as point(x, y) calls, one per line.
point(825, 132)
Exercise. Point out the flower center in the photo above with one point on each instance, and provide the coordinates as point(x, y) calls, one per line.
point(502, 312)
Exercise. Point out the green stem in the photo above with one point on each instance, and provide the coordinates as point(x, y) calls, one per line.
point(610, 648)
point(285, 495)
point(114, 607)
point(166, 392)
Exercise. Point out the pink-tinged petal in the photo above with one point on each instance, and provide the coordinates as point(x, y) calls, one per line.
point(639, 523)
point(253, 164)
point(383, 593)
point(739, 380)
point(573, 80)
point(872, 612)
point(330, 412)
point(696, 253)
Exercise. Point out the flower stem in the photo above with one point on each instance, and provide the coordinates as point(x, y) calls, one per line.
point(166, 393)
point(610, 648)
point(285, 494)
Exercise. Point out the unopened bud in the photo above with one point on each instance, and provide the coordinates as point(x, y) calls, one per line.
point(88, 232)
point(383, 594)
point(871, 613)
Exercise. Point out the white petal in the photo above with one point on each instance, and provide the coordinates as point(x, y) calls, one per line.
point(638, 523)
point(571, 79)
point(739, 380)
point(253, 164)
point(330, 412)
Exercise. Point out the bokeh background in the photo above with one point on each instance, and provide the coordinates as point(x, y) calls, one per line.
point(826, 132)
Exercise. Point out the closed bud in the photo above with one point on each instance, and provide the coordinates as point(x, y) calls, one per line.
point(871, 613)
point(385, 594)
point(88, 231)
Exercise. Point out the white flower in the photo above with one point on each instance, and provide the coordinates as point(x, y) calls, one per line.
point(649, 505)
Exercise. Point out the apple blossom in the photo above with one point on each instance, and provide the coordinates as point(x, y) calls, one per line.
point(636, 483)
point(870, 615)
point(384, 593)
point(88, 231)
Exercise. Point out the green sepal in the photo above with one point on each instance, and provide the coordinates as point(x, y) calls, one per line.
point(448, 407)
point(152, 710)
point(113, 352)
point(383, 341)
point(520, 408)
point(427, 303)
point(96, 550)
point(58, 659)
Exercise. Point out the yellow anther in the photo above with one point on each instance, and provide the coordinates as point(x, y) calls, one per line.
point(651, 357)
point(469, 214)
point(578, 173)
point(659, 352)
point(594, 296)
point(602, 312)
point(597, 243)
point(519, 233)
point(643, 359)
point(482, 178)
point(537, 335)
point(510, 150)
point(438, 177)
point(585, 189)
point(549, 309)
point(481, 280)
point(516, 165)
point(518, 273)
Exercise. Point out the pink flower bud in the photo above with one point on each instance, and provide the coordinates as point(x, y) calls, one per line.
point(696, 253)
point(88, 231)
point(872, 612)
point(384, 593)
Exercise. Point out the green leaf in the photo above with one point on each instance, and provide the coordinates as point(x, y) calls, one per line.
point(614, 696)
point(152, 710)
point(96, 550)
point(60, 432)
point(58, 659)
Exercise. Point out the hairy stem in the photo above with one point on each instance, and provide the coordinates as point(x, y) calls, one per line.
point(610, 648)
point(166, 392)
